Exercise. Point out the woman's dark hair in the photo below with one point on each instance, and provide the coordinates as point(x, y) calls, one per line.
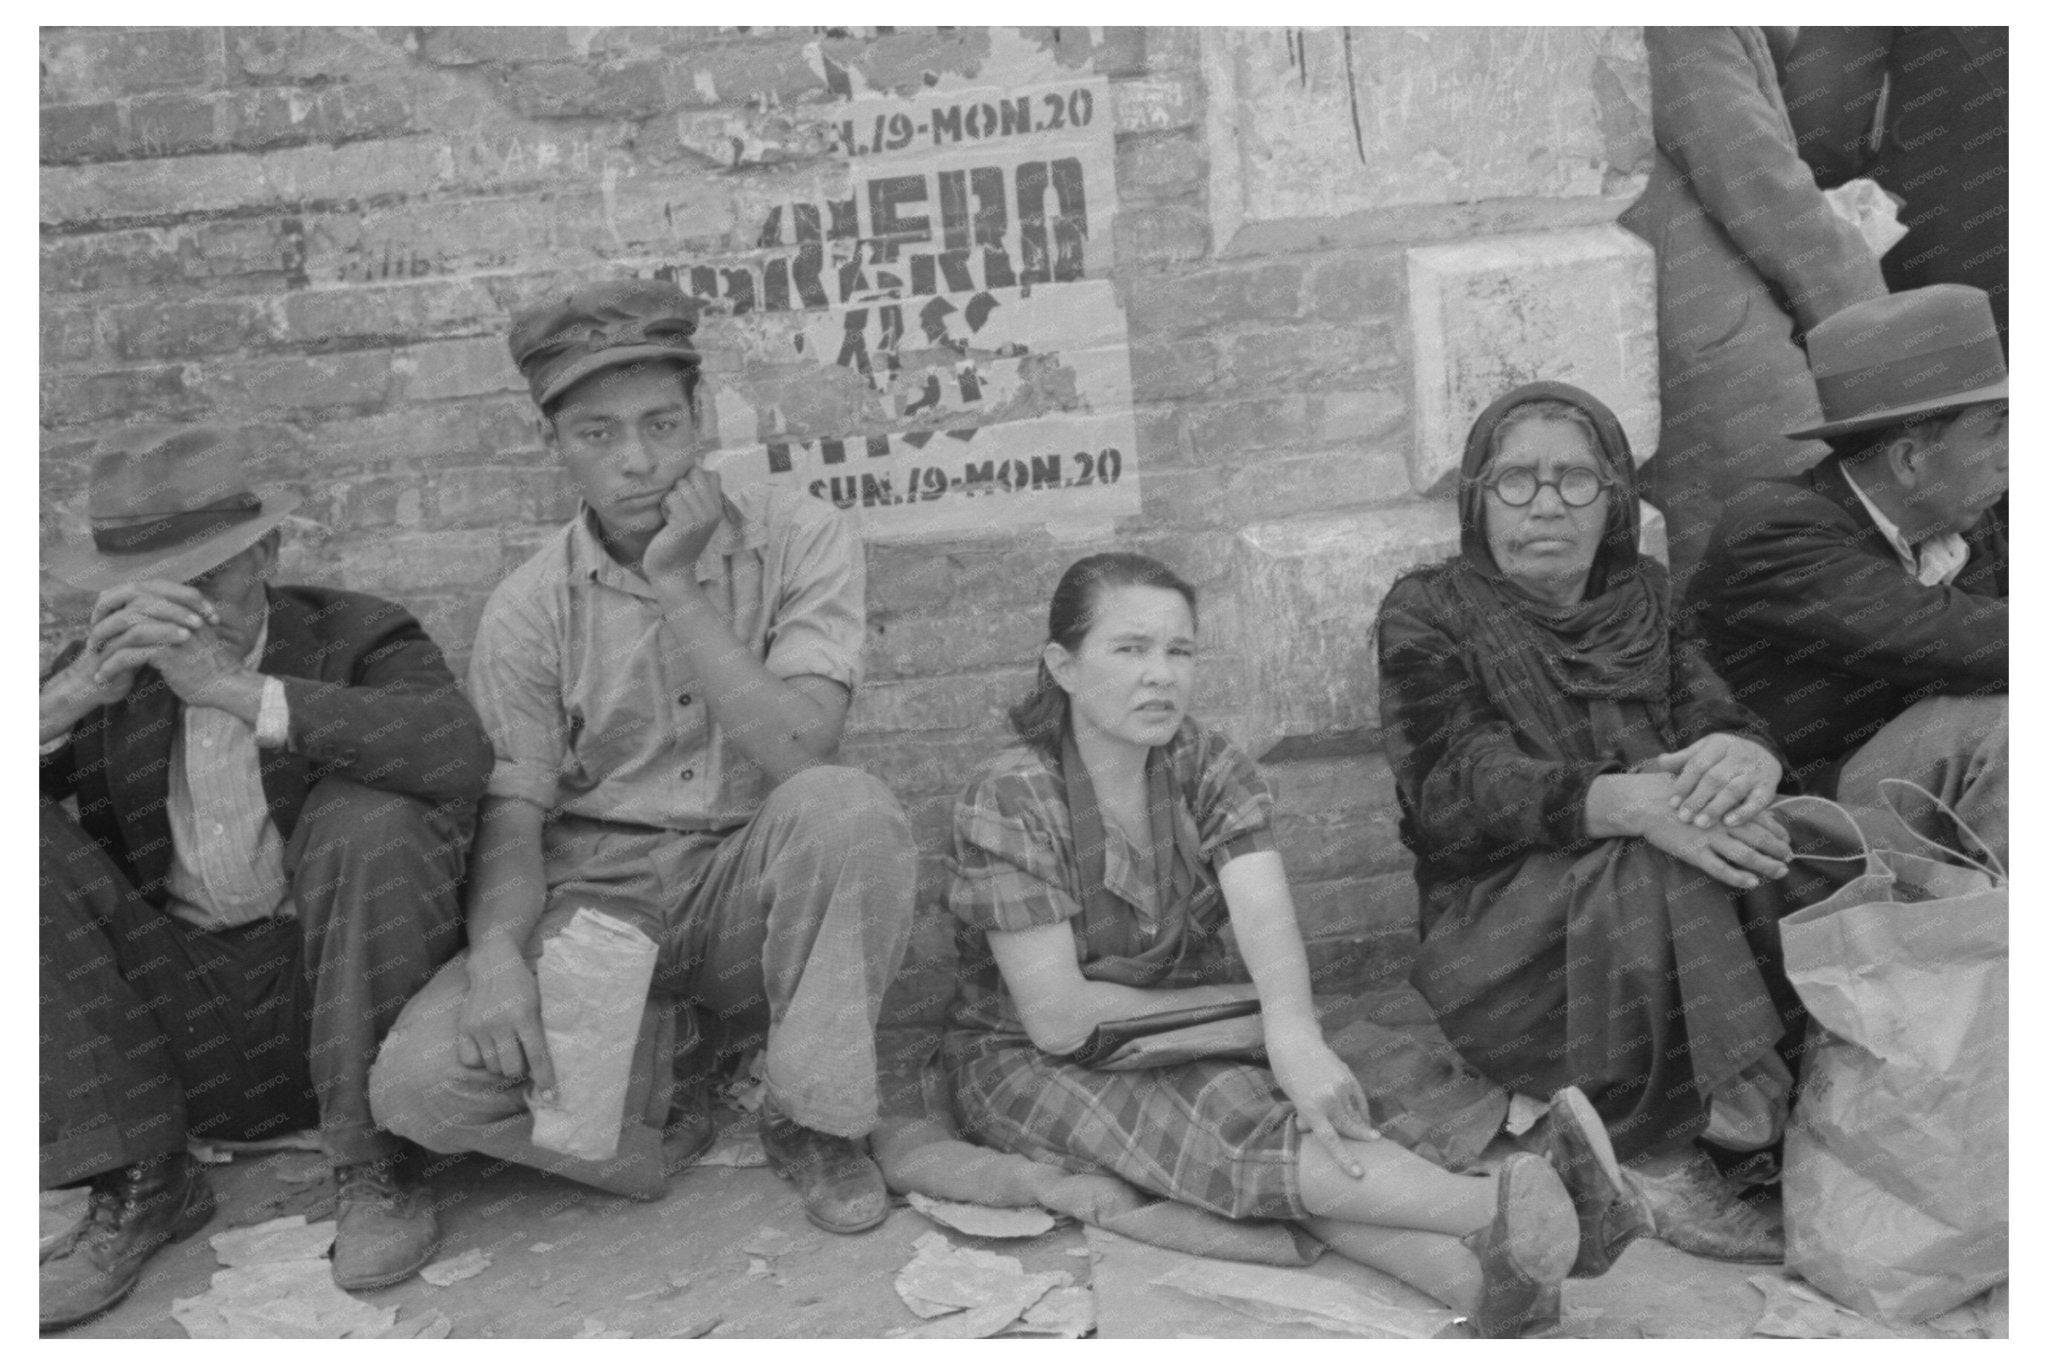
point(1040, 719)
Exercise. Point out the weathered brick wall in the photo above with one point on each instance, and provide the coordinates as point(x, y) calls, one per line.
point(321, 232)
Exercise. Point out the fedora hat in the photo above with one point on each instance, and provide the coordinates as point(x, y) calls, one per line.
point(615, 322)
point(1904, 355)
point(168, 502)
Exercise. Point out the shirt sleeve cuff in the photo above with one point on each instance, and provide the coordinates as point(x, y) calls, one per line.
point(526, 781)
point(1251, 841)
point(798, 658)
point(274, 716)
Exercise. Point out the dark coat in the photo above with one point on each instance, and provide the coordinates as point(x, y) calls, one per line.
point(370, 699)
point(1819, 629)
point(1944, 144)
point(1480, 786)
point(1749, 257)
point(1550, 958)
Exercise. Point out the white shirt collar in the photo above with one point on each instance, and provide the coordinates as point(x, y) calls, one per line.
point(1937, 559)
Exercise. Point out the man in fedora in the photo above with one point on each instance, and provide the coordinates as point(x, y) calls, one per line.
point(275, 790)
point(664, 684)
point(1861, 608)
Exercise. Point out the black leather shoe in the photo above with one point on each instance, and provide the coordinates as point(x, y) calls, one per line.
point(1612, 1213)
point(840, 1183)
point(130, 1214)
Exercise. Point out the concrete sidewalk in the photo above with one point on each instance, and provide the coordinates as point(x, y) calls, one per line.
point(728, 1253)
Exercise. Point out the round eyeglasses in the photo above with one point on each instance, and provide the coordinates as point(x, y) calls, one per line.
point(1518, 486)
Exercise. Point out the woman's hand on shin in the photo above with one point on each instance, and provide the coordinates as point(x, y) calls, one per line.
point(1329, 1104)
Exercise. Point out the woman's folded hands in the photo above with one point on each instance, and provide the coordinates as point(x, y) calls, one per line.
point(1650, 806)
point(1724, 777)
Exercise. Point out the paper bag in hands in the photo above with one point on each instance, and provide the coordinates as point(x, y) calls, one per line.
point(593, 987)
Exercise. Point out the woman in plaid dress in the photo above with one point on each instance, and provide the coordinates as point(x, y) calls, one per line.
point(1095, 867)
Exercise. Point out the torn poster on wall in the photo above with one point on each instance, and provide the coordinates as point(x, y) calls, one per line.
point(939, 348)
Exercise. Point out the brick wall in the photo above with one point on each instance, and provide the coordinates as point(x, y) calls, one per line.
point(321, 232)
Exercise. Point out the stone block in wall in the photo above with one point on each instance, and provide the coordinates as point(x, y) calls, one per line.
point(1338, 133)
point(1310, 588)
point(1578, 306)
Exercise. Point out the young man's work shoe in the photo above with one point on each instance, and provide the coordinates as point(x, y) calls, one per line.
point(130, 1214)
point(841, 1186)
point(1696, 1210)
point(384, 1226)
point(1612, 1213)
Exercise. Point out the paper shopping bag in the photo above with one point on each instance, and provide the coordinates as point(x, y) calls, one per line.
point(1895, 1158)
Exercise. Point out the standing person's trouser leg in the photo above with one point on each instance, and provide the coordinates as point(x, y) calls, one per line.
point(806, 910)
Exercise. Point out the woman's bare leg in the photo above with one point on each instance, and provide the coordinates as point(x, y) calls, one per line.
point(1399, 1190)
point(1436, 1263)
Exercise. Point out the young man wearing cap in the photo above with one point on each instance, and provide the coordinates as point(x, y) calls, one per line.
point(664, 684)
point(1861, 609)
point(275, 790)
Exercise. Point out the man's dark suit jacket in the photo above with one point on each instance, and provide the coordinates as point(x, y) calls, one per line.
point(370, 699)
point(1817, 627)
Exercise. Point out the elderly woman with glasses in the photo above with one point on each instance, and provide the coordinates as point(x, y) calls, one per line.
point(1600, 878)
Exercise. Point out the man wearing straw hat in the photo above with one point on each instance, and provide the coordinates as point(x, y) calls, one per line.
point(275, 791)
point(1861, 608)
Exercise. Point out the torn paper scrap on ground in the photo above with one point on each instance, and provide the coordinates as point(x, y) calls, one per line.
point(60, 1211)
point(1793, 1309)
point(978, 1220)
point(771, 1241)
point(280, 1239)
point(972, 1293)
point(1064, 1312)
point(220, 1151)
point(1275, 1295)
point(455, 1269)
point(739, 1150)
point(279, 1299)
point(424, 1326)
point(593, 989)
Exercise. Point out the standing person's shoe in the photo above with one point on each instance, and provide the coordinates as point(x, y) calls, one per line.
point(1525, 1252)
point(840, 1183)
point(384, 1225)
point(1695, 1209)
point(1612, 1212)
point(130, 1214)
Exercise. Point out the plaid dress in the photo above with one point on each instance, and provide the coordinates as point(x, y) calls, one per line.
point(1217, 1135)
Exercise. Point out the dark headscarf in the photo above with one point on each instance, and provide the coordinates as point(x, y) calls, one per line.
point(1615, 643)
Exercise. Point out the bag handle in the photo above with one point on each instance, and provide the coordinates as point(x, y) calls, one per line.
point(1989, 864)
point(1817, 812)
